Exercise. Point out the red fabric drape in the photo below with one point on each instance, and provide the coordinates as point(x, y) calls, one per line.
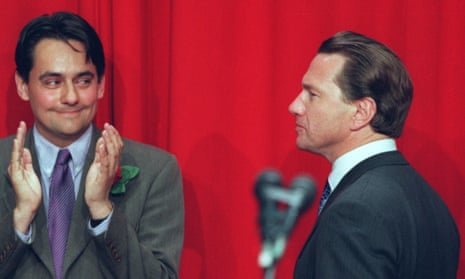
point(211, 80)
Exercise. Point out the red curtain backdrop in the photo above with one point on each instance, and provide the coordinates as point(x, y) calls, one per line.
point(211, 81)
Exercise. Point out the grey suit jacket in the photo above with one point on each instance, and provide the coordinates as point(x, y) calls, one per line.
point(382, 221)
point(144, 238)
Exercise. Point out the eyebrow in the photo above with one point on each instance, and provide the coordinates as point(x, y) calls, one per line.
point(306, 86)
point(48, 74)
point(53, 74)
point(309, 87)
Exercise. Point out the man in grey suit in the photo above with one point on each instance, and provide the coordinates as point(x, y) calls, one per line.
point(126, 208)
point(378, 217)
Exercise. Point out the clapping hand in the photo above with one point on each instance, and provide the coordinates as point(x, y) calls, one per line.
point(102, 172)
point(26, 184)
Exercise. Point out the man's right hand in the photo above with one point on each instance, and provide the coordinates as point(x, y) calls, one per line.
point(25, 182)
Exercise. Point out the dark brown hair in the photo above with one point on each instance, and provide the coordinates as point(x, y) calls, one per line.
point(373, 70)
point(62, 26)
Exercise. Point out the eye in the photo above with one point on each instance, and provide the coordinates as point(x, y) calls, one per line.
point(313, 94)
point(52, 82)
point(83, 81)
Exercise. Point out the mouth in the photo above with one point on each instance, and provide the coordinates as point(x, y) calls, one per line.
point(69, 112)
point(299, 125)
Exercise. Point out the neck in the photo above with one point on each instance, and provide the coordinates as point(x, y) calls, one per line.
point(353, 142)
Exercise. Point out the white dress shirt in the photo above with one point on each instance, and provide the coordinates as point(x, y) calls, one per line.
point(347, 161)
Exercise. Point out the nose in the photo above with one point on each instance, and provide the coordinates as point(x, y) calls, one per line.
point(69, 94)
point(297, 107)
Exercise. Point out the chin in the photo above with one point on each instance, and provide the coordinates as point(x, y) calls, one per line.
point(304, 146)
point(301, 145)
point(73, 131)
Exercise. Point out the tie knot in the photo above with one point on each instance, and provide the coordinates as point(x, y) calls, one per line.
point(63, 157)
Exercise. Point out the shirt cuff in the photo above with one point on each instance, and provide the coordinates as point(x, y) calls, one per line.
point(25, 238)
point(100, 228)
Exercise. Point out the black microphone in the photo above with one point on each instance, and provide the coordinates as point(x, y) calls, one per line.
point(267, 190)
point(302, 193)
point(276, 224)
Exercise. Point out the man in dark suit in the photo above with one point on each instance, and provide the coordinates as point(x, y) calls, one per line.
point(126, 213)
point(378, 217)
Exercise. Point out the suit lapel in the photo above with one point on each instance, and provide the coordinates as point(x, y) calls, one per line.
point(79, 235)
point(41, 243)
point(382, 159)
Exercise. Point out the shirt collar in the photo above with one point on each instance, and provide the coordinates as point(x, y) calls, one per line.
point(47, 152)
point(346, 162)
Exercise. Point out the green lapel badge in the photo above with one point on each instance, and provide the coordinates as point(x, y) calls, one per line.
point(122, 177)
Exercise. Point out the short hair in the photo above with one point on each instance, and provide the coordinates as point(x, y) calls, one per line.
point(373, 70)
point(63, 26)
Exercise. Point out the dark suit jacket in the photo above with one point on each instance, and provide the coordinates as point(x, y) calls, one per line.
point(382, 221)
point(144, 238)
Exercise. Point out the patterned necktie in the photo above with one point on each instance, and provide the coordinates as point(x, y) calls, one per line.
point(60, 209)
point(324, 197)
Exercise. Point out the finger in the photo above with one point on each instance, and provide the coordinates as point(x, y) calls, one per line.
point(18, 146)
point(113, 144)
point(118, 139)
point(15, 155)
point(112, 139)
point(21, 133)
point(102, 154)
point(27, 160)
point(98, 145)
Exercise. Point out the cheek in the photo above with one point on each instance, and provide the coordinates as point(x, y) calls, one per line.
point(319, 116)
point(323, 121)
point(89, 97)
point(42, 100)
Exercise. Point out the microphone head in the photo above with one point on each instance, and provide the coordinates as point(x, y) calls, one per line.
point(265, 180)
point(268, 182)
point(304, 191)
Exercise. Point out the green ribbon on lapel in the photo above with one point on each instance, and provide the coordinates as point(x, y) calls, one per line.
point(124, 174)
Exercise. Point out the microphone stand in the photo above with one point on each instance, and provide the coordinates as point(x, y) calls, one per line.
point(269, 272)
point(277, 223)
point(270, 255)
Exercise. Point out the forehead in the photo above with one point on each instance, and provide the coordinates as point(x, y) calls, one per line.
point(60, 56)
point(324, 69)
point(47, 45)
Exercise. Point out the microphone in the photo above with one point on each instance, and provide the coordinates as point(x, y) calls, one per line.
point(303, 192)
point(267, 190)
point(277, 223)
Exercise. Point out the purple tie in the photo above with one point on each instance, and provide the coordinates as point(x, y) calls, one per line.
point(60, 209)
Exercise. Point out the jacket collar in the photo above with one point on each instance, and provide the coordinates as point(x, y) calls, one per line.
point(382, 159)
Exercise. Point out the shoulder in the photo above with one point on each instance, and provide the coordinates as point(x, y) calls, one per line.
point(6, 142)
point(6, 145)
point(380, 188)
point(146, 156)
point(388, 193)
point(145, 150)
point(380, 180)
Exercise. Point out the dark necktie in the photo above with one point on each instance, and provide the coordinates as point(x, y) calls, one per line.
point(60, 209)
point(324, 197)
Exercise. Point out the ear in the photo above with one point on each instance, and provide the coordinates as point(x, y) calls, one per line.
point(365, 110)
point(101, 88)
point(22, 87)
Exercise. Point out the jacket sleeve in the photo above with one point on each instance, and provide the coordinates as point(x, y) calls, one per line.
point(12, 249)
point(145, 235)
